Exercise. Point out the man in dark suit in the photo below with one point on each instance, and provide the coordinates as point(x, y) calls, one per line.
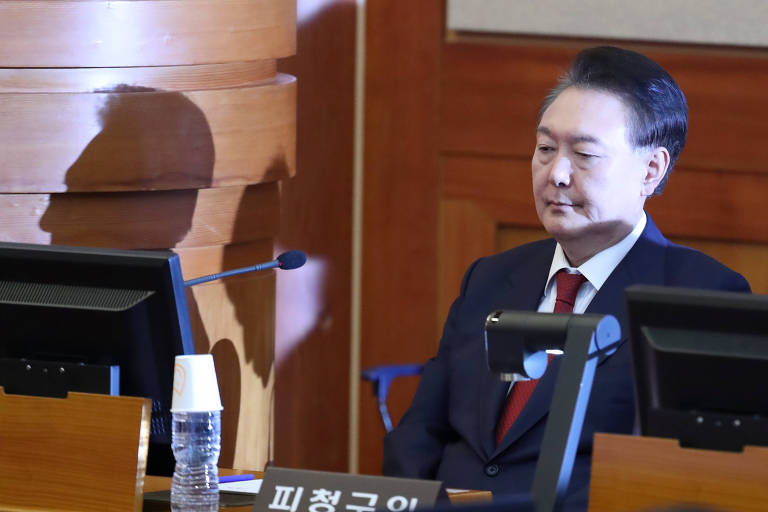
point(608, 137)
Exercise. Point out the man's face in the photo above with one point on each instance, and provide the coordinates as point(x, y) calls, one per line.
point(587, 178)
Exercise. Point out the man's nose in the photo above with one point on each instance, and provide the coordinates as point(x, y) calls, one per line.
point(560, 172)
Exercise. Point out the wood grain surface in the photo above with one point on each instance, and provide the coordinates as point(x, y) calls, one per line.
point(492, 93)
point(146, 220)
point(136, 138)
point(83, 453)
point(627, 476)
point(166, 78)
point(466, 230)
point(105, 33)
point(313, 305)
point(401, 192)
point(707, 204)
point(725, 227)
point(230, 320)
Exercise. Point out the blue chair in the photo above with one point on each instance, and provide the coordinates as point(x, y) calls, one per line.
point(381, 377)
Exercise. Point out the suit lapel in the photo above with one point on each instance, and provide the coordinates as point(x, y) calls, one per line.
point(644, 263)
point(523, 290)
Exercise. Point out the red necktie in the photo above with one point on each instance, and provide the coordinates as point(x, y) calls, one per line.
point(567, 287)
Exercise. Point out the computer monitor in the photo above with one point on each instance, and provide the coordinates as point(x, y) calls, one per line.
point(75, 318)
point(701, 365)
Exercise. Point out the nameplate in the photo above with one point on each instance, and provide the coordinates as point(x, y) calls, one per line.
point(294, 490)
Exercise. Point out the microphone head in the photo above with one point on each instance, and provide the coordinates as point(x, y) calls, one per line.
point(292, 259)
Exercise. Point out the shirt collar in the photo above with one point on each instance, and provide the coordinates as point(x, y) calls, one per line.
point(597, 268)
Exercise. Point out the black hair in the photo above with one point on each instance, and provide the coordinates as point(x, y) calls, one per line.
point(657, 106)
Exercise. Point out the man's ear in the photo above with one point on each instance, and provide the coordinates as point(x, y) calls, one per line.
point(655, 169)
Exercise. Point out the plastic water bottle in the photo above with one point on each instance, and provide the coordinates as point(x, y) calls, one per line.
point(196, 444)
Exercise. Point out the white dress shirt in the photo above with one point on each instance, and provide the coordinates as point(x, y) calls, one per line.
point(596, 269)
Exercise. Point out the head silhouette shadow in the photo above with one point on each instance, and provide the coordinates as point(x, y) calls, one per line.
point(134, 186)
point(257, 338)
point(149, 140)
point(253, 297)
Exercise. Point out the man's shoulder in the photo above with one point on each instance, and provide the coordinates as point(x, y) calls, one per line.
point(530, 258)
point(689, 266)
point(683, 256)
point(685, 266)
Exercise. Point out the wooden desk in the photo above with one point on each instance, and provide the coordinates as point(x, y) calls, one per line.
point(465, 497)
point(626, 476)
point(162, 483)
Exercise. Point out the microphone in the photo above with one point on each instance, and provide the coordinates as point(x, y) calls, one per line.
point(291, 259)
point(286, 261)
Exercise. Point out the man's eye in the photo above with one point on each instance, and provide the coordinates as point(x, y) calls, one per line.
point(545, 149)
point(586, 156)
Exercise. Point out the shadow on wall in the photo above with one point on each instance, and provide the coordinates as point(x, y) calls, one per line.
point(250, 306)
point(149, 139)
point(252, 297)
point(312, 360)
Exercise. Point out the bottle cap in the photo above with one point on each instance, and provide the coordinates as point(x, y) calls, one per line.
point(195, 388)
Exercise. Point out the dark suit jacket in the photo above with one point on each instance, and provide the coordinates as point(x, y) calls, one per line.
point(448, 432)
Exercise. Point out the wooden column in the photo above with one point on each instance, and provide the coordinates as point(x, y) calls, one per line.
point(313, 314)
point(400, 211)
point(160, 124)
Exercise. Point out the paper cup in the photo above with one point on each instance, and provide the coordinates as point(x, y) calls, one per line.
point(195, 388)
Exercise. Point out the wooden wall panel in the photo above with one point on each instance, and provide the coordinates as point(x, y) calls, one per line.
point(401, 187)
point(726, 228)
point(508, 237)
point(727, 103)
point(696, 203)
point(502, 187)
point(713, 205)
point(104, 33)
point(492, 93)
point(466, 231)
point(149, 140)
point(313, 310)
point(484, 116)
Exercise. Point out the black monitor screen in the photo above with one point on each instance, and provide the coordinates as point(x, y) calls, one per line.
point(701, 365)
point(94, 320)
